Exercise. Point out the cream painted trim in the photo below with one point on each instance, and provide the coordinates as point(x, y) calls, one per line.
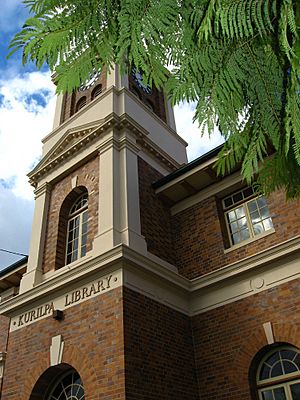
point(250, 240)
point(186, 175)
point(151, 277)
point(269, 332)
point(204, 193)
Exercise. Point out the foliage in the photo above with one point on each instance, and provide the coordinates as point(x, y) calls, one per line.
point(239, 60)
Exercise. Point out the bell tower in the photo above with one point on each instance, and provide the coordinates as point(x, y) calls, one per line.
point(87, 185)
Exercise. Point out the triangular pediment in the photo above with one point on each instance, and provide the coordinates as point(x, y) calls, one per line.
point(68, 141)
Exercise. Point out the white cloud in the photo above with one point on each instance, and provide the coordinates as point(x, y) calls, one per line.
point(26, 115)
point(190, 132)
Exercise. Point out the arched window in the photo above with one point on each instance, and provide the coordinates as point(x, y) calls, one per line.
point(278, 375)
point(60, 382)
point(77, 229)
point(96, 91)
point(80, 103)
point(68, 387)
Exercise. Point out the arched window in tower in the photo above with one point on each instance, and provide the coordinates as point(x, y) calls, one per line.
point(77, 229)
point(278, 375)
point(68, 387)
point(80, 103)
point(96, 91)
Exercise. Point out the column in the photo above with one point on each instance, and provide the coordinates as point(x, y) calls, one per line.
point(34, 272)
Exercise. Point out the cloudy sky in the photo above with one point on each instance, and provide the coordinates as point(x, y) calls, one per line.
point(27, 102)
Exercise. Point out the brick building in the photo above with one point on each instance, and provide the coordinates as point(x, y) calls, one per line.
point(147, 277)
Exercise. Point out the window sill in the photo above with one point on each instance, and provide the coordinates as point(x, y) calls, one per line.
point(248, 241)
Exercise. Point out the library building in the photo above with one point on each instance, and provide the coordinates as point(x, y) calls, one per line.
point(148, 277)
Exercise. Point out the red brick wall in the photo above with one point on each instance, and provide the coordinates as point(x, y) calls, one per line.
point(227, 339)
point(88, 176)
point(159, 359)
point(93, 337)
point(199, 241)
point(155, 215)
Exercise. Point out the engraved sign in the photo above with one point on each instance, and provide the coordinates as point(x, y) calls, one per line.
point(69, 299)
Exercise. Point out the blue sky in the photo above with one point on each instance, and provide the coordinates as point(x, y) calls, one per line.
point(27, 102)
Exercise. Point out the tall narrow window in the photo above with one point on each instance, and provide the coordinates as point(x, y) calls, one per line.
point(77, 229)
point(80, 104)
point(278, 376)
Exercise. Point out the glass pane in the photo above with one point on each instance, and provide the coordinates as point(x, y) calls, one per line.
point(279, 394)
point(295, 390)
point(276, 370)
point(273, 358)
point(236, 238)
point(258, 228)
point(255, 217)
point(85, 216)
point(264, 373)
point(228, 202)
point(264, 212)
point(289, 367)
point(245, 234)
point(237, 197)
point(248, 192)
point(297, 361)
point(84, 228)
point(261, 201)
point(252, 206)
point(288, 354)
point(267, 395)
point(242, 222)
point(231, 216)
point(240, 212)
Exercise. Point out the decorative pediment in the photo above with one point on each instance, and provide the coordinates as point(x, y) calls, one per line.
point(71, 141)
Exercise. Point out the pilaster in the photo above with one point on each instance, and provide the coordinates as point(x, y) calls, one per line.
point(33, 274)
point(119, 211)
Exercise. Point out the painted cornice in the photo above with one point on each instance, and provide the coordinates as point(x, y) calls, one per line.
point(153, 278)
point(75, 140)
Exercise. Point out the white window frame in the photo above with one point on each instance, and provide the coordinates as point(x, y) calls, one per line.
point(244, 202)
point(80, 214)
point(284, 381)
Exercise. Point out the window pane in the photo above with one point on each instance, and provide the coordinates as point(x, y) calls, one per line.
point(261, 201)
point(245, 234)
point(237, 197)
point(295, 390)
point(279, 394)
point(228, 202)
point(255, 216)
point(297, 361)
point(273, 358)
point(240, 212)
point(236, 238)
point(267, 395)
point(289, 367)
point(264, 373)
point(277, 370)
point(231, 216)
point(252, 206)
point(258, 228)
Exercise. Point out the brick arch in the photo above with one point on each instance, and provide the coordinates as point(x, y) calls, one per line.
point(38, 378)
point(87, 175)
point(257, 344)
point(63, 224)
